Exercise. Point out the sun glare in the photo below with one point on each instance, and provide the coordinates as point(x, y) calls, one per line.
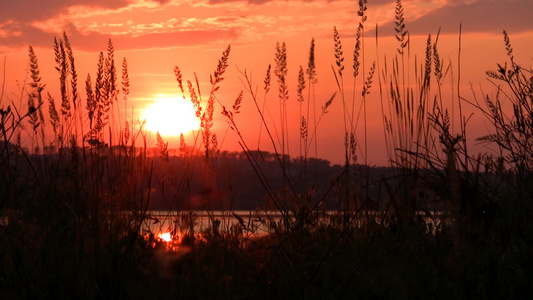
point(165, 237)
point(170, 116)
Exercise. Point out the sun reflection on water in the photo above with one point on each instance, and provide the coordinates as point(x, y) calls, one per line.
point(166, 236)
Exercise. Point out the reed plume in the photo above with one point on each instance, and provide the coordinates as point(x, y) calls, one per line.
point(54, 116)
point(283, 95)
point(313, 80)
point(339, 56)
point(36, 117)
point(73, 73)
point(300, 98)
point(399, 28)
point(179, 79)
point(91, 101)
point(206, 119)
point(125, 87)
point(62, 68)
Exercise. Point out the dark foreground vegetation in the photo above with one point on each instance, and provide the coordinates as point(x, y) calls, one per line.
point(443, 223)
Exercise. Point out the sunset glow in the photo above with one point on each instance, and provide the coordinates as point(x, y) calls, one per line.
point(155, 36)
point(170, 116)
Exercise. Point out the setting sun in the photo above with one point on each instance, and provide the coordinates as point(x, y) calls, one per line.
point(170, 116)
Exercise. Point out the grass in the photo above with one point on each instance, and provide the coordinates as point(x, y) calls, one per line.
point(74, 205)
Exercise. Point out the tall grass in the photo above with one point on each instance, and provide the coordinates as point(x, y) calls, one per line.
point(63, 201)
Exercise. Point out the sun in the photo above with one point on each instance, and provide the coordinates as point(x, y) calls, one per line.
point(170, 116)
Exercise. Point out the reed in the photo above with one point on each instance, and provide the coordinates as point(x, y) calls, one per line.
point(283, 96)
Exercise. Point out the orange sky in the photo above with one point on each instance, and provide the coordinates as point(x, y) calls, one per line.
point(154, 36)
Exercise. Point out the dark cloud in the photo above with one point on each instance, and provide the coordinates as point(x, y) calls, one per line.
point(481, 16)
point(26, 35)
point(259, 2)
point(27, 11)
point(256, 2)
point(161, 2)
point(373, 3)
point(95, 41)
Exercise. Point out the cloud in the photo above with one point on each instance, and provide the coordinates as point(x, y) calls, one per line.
point(161, 2)
point(174, 39)
point(256, 2)
point(17, 35)
point(18, 18)
point(259, 2)
point(142, 25)
point(481, 16)
point(95, 41)
point(27, 11)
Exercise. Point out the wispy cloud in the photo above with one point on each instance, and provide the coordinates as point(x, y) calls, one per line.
point(141, 24)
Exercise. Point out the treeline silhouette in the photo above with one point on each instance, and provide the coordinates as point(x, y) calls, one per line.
point(234, 185)
point(229, 182)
